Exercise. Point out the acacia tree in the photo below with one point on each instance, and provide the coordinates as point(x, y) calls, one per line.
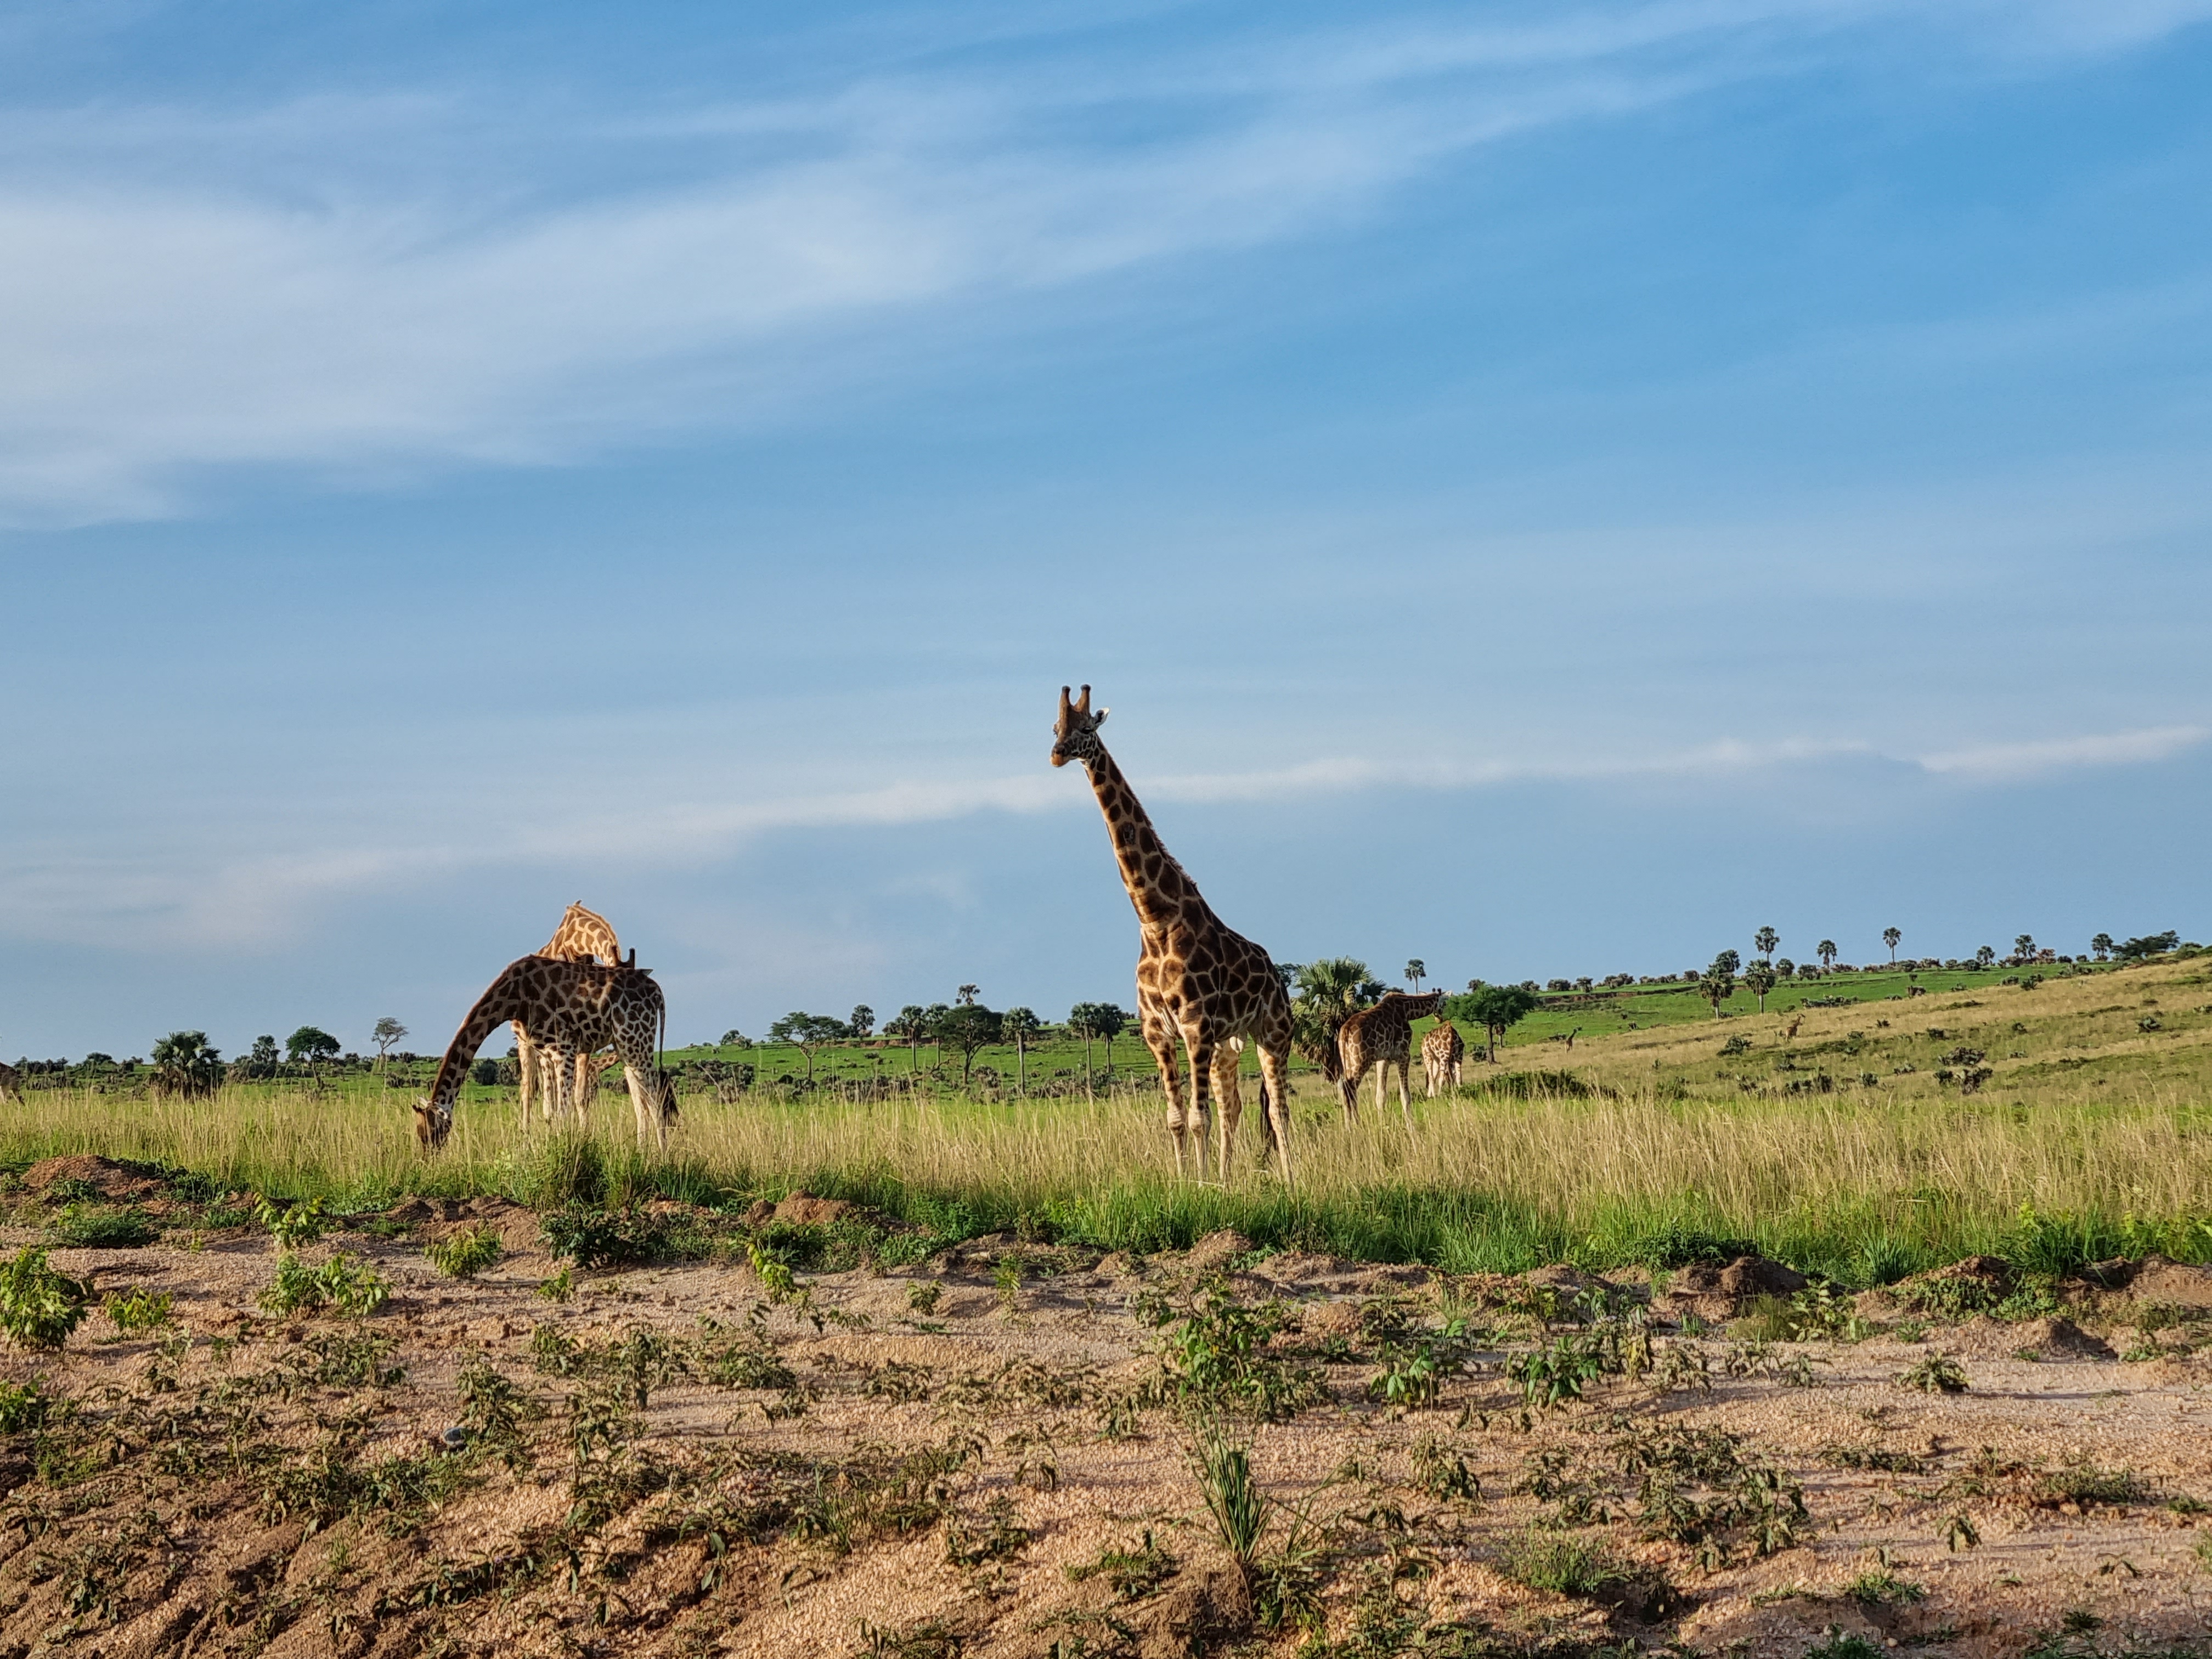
point(966, 1029)
point(2102, 945)
point(1020, 1025)
point(1826, 949)
point(1496, 1008)
point(1890, 937)
point(1763, 942)
point(385, 1032)
point(806, 1033)
point(312, 1045)
point(1758, 979)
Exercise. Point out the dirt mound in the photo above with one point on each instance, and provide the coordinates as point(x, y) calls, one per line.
point(803, 1209)
point(104, 1174)
point(1216, 1250)
point(1992, 1270)
point(1715, 1293)
point(433, 1218)
point(1985, 1337)
point(2156, 1279)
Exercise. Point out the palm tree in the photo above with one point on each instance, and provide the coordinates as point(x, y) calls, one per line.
point(1021, 1024)
point(1826, 949)
point(1328, 993)
point(1416, 971)
point(1983, 956)
point(1763, 942)
point(1890, 937)
point(965, 996)
point(2024, 947)
point(1760, 980)
point(2102, 945)
point(185, 1065)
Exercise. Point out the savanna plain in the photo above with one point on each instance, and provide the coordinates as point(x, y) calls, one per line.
point(1813, 1330)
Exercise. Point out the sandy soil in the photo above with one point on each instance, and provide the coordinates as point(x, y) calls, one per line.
point(145, 1525)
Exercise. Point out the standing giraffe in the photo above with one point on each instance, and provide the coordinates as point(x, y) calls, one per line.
point(572, 1009)
point(1380, 1037)
point(583, 936)
point(11, 1085)
point(1443, 1051)
point(1197, 981)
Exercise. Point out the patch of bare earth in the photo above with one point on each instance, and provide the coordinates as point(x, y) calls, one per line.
point(919, 1462)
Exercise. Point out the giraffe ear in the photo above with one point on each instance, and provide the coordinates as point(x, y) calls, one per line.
point(1101, 721)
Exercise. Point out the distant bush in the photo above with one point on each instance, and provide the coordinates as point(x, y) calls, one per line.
point(485, 1073)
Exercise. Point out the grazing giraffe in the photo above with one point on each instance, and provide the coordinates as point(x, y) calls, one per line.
point(574, 1009)
point(1380, 1037)
point(583, 936)
point(1197, 980)
point(11, 1085)
point(1443, 1052)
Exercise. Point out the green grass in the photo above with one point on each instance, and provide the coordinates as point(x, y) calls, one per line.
point(1645, 1147)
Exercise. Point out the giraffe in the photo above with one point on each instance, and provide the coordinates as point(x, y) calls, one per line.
point(1443, 1051)
point(1197, 981)
point(574, 1008)
point(583, 936)
point(1380, 1037)
point(11, 1085)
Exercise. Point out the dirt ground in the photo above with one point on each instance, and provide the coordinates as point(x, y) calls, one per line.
point(863, 1469)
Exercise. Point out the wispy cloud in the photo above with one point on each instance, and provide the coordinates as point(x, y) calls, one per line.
point(408, 282)
point(257, 901)
point(2003, 761)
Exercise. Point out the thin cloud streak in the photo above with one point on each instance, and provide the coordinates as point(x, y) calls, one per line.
point(259, 903)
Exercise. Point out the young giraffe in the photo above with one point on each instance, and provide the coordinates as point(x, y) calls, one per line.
point(1443, 1052)
point(1380, 1037)
point(574, 1009)
point(1197, 981)
point(583, 936)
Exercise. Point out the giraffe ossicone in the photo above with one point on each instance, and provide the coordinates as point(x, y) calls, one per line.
point(1200, 984)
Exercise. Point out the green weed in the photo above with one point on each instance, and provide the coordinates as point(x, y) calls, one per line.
point(347, 1285)
point(40, 1307)
point(467, 1252)
point(1936, 1373)
point(101, 1228)
point(139, 1310)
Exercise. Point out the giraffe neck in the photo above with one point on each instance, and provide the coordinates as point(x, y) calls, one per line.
point(1163, 893)
point(494, 1009)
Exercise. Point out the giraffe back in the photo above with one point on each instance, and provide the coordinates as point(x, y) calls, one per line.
point(1384, 1031)
point(1443, 1044)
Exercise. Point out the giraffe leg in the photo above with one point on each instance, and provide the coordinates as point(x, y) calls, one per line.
point(1347, 1092)
point(1381, 1083)
point(522, 1062)
point(1202, 1051)
point(1159, 1037)
point(1275, 1097)
point(1404, 1102)
point(1229, 1097)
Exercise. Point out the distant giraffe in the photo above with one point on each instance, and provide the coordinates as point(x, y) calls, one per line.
point(583, 936)
point(1443, 1051)
point(11, 1085)
point(1794, 1025)
point(1380, 1037)
point(572, 1009)
point(1197, 981)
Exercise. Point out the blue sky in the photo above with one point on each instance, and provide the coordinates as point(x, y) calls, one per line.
point(1543, 488)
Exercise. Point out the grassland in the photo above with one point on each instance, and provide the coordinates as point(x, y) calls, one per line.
point(1840, 1150)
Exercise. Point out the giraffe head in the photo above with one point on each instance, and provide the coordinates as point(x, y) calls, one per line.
point(1075, 738)
point(432, 1124)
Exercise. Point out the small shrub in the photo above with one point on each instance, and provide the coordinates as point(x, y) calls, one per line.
point(561, 1287)
point(23, 1406)
point(1880, 1588)
point(777, 1282)
point(39, 1306)
point(345, 1283)
point(2085, 1484)
point(1559, 1562)
point(138, 1309)
point(293, 1225)
point(99, 1229)
point(1440, 1470)
point(923, 1298)
point(1132, 1573)
point(1839, 1644)
point(606, 1238)
point(1937, 1373)
point(465, 1253)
